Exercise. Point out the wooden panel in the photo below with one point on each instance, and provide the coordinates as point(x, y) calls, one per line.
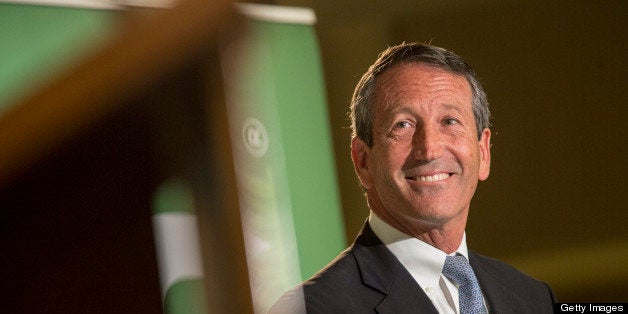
point(82, 158)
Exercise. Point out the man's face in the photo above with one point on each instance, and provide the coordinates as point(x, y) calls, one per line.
point(426, 159)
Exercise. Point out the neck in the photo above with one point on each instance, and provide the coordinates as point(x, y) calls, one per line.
point(444, 235)
point(446, 241)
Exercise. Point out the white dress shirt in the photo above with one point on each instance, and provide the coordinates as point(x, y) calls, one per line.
point(424, 262)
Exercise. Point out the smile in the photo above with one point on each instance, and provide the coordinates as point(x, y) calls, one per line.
point(433, 178)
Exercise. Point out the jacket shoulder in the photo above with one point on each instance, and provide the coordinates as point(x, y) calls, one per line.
point(337, 288)
point(505, 272)
point(504, 282)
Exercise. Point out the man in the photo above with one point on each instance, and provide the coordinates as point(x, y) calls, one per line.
point(420, 144)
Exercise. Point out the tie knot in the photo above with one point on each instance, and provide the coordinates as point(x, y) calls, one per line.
point(458, 270)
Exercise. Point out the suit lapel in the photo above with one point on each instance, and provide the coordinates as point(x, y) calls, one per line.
point(497, 295)
point(380, 270)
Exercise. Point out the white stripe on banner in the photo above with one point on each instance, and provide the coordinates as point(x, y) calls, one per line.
point(278, 14)
point(178, 248)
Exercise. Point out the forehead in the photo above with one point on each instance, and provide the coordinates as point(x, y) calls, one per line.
point(421, 82)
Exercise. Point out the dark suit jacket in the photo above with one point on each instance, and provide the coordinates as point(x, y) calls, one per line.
point(368, 278)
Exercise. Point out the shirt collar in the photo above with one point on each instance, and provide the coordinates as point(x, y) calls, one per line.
point(423, 261)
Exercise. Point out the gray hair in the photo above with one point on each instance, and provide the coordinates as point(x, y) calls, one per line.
point(363, 97)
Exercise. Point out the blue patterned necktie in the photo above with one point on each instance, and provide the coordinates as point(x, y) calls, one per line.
point(458, 270)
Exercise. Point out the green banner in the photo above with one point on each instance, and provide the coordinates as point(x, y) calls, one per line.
point(282, 144)
point(38, 42)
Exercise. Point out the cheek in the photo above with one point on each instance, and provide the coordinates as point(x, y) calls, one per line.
point(378, 164)
point(381, 163)
point(469, 158)
point(394, 158)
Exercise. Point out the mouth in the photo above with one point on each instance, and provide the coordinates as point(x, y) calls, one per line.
point(431, 178)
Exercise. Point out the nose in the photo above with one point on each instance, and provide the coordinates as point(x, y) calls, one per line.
point(427, 144)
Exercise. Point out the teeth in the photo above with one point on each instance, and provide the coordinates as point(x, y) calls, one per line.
point(434, 178)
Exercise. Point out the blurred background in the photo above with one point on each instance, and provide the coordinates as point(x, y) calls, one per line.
point(556, 77)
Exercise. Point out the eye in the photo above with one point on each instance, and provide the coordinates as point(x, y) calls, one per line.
point(403, 125)
point(451, 121)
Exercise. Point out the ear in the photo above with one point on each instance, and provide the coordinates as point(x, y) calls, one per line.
point(359, 155)
point(485, 154)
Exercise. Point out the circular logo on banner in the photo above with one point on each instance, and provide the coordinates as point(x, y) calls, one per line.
point(255, 137)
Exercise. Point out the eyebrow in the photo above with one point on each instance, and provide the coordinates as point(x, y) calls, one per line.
point(452, 107)
point(396, 109)
point(392, 111)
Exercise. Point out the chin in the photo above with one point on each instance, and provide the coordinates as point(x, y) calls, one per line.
point(434, 217)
